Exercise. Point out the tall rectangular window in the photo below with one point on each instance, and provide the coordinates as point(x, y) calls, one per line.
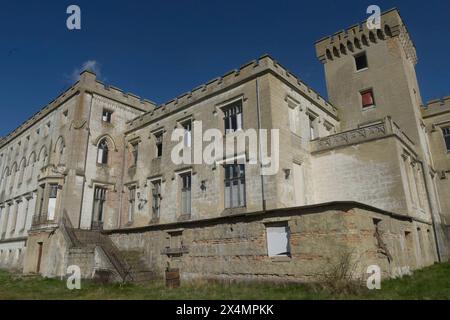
point(135, 152)
point(186, 193)
point(234, 186)
point(41, 193)
point(446, 132)
point(293, 119)
point(187, 126)
point(312, 127)
point(156, 198)
point(106, 116)
point(131, 203)
point(99, 204)
point(53, 193)
point(159, 144)
point(278, 240)
point(233, 117)
point(367, 98)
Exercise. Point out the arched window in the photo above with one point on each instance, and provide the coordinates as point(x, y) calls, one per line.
point(380, 34)
point(357, 43)
point(329, 56)
point(102, 153)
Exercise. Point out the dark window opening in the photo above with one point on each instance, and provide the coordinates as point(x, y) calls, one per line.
point(159, 144)
point(361, 61)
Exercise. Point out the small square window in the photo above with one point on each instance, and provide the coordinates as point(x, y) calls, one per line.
point(361, 61)
point(106, 116)
point(367, 98)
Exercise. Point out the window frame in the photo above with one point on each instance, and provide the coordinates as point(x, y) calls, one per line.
point(156, 210)
point(362, 93)
point(131, 202)
point(233, 114)
point(109, 114)
point(159, 144)
point(186, 190)
point(98, 212)
point(446, 135)
point(229, 183)
point(187, 127)
point(359, 55)
point(104, 151)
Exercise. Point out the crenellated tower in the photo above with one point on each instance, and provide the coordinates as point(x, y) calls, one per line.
point(370, 74)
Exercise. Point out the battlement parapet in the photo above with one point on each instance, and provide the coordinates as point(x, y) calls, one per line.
point(359, 36)
point(234, 77)
point(436, 107)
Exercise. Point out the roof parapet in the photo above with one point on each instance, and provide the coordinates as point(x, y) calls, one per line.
point(246, 71)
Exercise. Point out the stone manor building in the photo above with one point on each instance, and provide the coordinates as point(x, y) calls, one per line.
point(89, 179)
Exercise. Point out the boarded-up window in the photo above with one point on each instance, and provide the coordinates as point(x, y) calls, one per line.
point(53, 193)
point(278, 240)
point(187, 126)
point(186, 193)
point(367, 99)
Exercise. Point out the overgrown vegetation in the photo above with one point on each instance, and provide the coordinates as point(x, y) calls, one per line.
point(430, 283)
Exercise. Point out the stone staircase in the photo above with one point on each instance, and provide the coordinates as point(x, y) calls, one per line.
point(129, 265)
point(139, 271)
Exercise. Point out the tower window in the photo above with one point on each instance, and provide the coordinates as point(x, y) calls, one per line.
point(361, 61)
point(367, 98)
point(446, 132)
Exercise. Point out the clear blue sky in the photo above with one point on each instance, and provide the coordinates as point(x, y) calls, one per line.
point(160, 49)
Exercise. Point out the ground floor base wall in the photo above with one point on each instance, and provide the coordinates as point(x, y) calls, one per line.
point(237, 247)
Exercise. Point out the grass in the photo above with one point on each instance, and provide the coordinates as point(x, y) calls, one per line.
point(430, 283)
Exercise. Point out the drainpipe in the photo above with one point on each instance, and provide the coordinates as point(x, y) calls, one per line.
point(258, 111)
point(119, 218)
point(82, 93)
point(438, 251)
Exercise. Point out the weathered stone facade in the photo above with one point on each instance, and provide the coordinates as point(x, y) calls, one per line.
point(91, 177)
